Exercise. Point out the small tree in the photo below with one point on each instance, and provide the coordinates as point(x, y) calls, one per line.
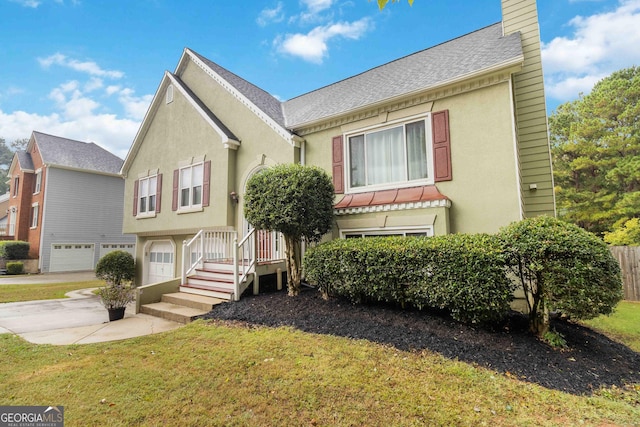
point(294, 200)
point(561, 267)
point(116, 267)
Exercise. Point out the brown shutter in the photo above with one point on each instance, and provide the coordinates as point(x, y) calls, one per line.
point(176, 184)
point(338, 164)
point(441, 146)
point(206, 179)
point(158, 192)
point(135, 197)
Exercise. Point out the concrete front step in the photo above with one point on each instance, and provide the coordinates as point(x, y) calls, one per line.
point(199, 302)
point(181, 307)
point(209, 291)
point(177, 313)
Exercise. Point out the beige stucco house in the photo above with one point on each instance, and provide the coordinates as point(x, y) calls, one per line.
point(450, 139)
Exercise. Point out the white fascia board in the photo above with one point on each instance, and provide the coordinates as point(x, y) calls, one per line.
point(283, 132)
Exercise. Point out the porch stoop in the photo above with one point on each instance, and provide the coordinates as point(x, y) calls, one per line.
point(181, 307)
point(214, 279)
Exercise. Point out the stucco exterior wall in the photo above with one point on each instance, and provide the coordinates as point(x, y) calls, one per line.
point(484, 191)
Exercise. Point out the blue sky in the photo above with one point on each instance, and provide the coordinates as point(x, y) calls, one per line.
point(88, 69)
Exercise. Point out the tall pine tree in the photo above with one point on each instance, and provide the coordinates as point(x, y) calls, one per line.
point(596, 154)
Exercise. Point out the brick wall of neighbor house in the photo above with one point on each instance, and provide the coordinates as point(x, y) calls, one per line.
point(34, 234)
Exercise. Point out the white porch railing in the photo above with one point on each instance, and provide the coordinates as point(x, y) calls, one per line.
point(257, 246)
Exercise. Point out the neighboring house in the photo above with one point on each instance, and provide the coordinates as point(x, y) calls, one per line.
point(4, 215)
point(450, 139)
point(66, 200)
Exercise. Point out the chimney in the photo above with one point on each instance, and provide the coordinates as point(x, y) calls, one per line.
point(530, 110)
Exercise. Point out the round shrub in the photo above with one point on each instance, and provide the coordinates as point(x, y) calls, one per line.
point(562, 268)
point(15, 267)
point(116, 268)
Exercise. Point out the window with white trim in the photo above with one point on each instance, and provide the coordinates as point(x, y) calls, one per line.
point(38, 182)
point(191, 180)
point(16, 185)
point(35, 210)
point(147, 189)
point(377, 232)
point(391, 155)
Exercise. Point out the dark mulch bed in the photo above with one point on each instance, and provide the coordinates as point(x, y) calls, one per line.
point(591, 361)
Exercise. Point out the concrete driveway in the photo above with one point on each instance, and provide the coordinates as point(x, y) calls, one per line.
point(79, 319)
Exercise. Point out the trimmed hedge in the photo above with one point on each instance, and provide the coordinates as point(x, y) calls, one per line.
point(461, 273)
point(14, 249)
point(15, 267)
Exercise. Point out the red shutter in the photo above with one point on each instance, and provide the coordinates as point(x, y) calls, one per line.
point(206, 179)
point(338, 164)
point(441, 146)
point(176, 184)
point(158, 192)
point(135, 197)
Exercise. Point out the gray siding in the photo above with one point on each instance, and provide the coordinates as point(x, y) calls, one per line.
point(82, 207)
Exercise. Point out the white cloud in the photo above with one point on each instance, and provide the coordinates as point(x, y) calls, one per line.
point(83, 109)
point(89, 67)
point(28, 3)
point(313, 46)
point(600, 44)
point(135, 106)
point(316, 6)
point(268, 16)
point(112, 133)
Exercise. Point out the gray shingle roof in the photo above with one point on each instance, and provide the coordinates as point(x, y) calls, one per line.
point(480, 50)
point(69, 153)
point(260, 98)
point(471, 53)
point(24, 160)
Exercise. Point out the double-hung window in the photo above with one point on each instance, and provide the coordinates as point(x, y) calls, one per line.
point(35, 210)
point(191, 181)
point(38, 183)
point(147, 195)
point(390, 156)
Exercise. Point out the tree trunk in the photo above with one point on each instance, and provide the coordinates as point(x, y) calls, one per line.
point(292, 251)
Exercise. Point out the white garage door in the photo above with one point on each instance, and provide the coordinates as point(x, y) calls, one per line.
point(105, 248)
point(160, 263)
point(71, 257)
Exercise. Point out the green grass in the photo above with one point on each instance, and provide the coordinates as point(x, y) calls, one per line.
point(225, 375)
point(222, 375)
point(32, 292)
point(623, 325)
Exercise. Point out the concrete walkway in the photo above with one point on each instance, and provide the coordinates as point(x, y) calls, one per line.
point(79, 319)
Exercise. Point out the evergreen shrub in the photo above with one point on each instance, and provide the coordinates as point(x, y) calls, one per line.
point(14, 249)
point(461, 273)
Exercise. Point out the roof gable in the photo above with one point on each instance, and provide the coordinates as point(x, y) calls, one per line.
point(71, 154)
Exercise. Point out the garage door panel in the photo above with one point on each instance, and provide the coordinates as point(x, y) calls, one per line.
point(71, 257)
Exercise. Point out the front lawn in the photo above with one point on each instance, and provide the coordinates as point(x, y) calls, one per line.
point(33, 292)
point(623, 325)
point(224, 374)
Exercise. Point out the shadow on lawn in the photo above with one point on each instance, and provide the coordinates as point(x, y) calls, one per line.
point(591, 362)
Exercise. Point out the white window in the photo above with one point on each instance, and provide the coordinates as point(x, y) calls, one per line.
point(16, 184)
point(38, 183)
point(35, 208)
point(147, 189)
point(191, 180)
point(389, 231)
point(385, 157)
